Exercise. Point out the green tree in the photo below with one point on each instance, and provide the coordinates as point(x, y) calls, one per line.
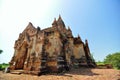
point(0, 64)
point(113, 59)
point(1, 51)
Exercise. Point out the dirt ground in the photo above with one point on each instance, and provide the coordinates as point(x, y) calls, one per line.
point(76, 74)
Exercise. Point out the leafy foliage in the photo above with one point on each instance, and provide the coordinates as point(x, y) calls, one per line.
point(113, 59)
point(1, 51)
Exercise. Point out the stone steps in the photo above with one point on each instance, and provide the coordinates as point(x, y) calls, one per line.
point(16, 71)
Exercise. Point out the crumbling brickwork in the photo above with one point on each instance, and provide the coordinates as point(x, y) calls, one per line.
point(53, 49)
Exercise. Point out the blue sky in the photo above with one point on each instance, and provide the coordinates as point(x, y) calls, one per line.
point(95, 20)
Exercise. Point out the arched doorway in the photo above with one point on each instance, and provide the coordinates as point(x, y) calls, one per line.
point(21, 56)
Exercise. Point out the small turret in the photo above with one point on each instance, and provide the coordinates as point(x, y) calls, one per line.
point(60, 22)
point(79, 37)
point(86, 42)
point(38, 28)
point(59, 17)
point(69, 29)
point(54, 23)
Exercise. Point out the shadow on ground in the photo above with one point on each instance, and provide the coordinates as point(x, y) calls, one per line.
point(80, 71)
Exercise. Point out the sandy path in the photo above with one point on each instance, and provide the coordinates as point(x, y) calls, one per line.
point(76, 74)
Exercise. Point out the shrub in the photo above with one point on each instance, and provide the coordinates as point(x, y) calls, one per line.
point(113, 59)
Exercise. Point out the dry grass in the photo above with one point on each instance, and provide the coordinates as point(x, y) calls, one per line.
point(75, 74)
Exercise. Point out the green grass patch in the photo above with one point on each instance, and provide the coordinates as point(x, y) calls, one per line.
point(3, 66)
point(100, 63)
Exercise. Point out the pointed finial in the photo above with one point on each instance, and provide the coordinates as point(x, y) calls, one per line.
point(38, 28)
point(54, 22)
point(59, 17)
point(86, 41)
point(60, 22)
point(79, 37)
point(69, 28)
point(30, 23)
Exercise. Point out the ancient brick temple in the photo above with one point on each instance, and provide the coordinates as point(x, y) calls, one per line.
point(53, 49)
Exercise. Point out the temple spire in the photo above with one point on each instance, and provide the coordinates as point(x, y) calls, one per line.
point(60, 21)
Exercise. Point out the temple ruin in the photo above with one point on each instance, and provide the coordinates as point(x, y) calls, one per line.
point(52, 49)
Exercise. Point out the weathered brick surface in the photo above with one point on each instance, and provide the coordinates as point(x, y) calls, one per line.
point(51, 49)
